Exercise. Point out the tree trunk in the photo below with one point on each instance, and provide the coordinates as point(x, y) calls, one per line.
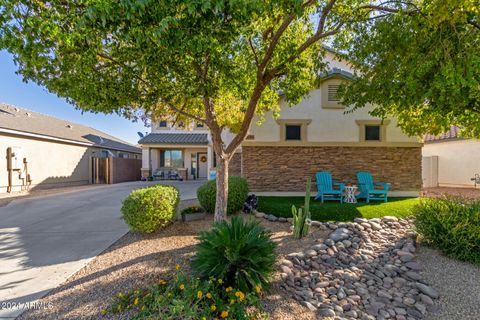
point(222, 188)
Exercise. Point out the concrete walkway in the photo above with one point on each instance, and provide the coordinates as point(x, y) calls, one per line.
point(44, 240)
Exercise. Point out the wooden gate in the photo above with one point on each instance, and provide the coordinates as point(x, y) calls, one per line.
point(101, 170)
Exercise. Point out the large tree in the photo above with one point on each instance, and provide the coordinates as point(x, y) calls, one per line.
point(218, 62)
point(424, 68)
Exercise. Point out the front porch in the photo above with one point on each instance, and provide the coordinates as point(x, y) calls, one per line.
point(166, 162)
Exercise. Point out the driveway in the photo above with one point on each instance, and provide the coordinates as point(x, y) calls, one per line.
point(44, 240)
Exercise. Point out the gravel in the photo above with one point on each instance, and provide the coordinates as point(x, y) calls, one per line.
point(458, 284)
point(138, 260)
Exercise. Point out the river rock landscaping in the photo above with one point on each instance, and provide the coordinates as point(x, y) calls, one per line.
point(365, 269)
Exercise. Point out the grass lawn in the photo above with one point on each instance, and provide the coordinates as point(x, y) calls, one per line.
point(334, 211)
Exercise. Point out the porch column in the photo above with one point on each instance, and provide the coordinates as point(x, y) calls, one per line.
point(146, 163)
point(209, 160)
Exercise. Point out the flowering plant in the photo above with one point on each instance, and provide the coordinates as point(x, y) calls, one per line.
point(185, 297)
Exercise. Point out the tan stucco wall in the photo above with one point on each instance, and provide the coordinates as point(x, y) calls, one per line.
point(458, 161)
point(50, 164)
point(327, 125)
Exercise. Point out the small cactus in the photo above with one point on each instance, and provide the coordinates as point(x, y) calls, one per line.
point(302, 217)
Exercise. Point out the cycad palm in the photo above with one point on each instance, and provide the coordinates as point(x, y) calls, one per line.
point(241, 253)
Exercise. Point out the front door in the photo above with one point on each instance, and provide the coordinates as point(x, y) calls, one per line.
point(202, 165)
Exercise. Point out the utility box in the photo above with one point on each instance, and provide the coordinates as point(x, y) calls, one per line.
point(14, 158)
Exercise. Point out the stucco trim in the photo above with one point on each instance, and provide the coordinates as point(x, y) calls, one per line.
point(303, 123)
point(330, 144)
point(383, 129)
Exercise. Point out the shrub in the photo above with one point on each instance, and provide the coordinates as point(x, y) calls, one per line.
point(184, 297)
point(192, 209)
point(237, 194)
point(452, 225)
point(147, 209)
point(241, 253)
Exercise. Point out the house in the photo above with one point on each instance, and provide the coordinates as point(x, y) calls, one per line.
point(312, 136)
point(450, 161)
point(40, 151)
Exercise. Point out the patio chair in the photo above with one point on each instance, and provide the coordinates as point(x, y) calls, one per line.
point(325, 187)
point(159, 175)
point(367, 188)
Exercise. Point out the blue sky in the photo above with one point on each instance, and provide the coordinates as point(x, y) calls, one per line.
point(33, 97)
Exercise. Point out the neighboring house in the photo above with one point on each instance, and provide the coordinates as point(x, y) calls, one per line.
point(450, 161)
point(43, 151)
point(312, 136)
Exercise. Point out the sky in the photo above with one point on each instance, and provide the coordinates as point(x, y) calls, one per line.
point(36, 98)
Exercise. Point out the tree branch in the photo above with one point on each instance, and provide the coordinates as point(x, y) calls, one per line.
point(253, 50)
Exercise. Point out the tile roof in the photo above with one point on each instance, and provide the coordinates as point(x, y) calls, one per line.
point(175, 138)
point(19, 119)
point(336, 72)
point(451, 134)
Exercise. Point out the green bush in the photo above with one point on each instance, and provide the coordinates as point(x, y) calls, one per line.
point(241, 253)
point(147, 209)
point(185, 297)
point(452, 225)
point(237, 194)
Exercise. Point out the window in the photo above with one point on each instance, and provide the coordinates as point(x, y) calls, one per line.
point(372, 133)
point(200, 125)
point(171, 159)
point(293, 132)
point(332, 90)
point(372, 130)
point(162, 124)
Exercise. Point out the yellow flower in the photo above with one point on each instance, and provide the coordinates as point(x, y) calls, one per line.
point(228, 289)
point(224, 314)
point(240, 295)
point(182, 286)
point(232, 301)
point(177, 267)
point(162, 282)
point(199, 294)
point(258, 289)
point(213, 307)
point(220, 281)
point(143, 308)
point(209, 295)
point(135, 302)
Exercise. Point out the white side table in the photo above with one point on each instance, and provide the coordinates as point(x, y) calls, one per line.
point(349, 196)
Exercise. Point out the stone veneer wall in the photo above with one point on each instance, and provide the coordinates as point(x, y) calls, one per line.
point(286, 168)
point(235, 166)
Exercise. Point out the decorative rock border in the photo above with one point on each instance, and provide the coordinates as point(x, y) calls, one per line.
point(366, 270)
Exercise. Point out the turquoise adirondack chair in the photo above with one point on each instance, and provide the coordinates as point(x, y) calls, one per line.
point(325, 187)
point(367, 188)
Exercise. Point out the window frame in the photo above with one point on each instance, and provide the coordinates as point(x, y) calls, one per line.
point(162, 158)
point(382, 124)
point(303, 123)
point(160, 124)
